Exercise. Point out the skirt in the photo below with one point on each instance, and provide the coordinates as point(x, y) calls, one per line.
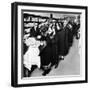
point(32, 57)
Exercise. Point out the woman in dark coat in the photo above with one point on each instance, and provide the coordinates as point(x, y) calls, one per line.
point(62, 42)
point(46, 56)
point(45, 50)
point(54, 52)
point(51, 48)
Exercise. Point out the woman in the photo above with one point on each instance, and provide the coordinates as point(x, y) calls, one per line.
point(54, 48)
point(46, 57)
point(46, 50)
point(32, 57)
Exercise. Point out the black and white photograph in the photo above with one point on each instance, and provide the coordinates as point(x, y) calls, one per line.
point(51, 44)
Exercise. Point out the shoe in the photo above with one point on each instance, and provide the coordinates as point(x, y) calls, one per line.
point(61, 57)
point(46, 72)
point(56, 65)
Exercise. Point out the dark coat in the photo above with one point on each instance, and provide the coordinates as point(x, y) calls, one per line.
point(54, 50)
point(45, 55)
point(25, 48)
point(62, 42)
point(49, 53)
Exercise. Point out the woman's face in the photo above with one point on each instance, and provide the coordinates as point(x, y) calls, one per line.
point(65, 23)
